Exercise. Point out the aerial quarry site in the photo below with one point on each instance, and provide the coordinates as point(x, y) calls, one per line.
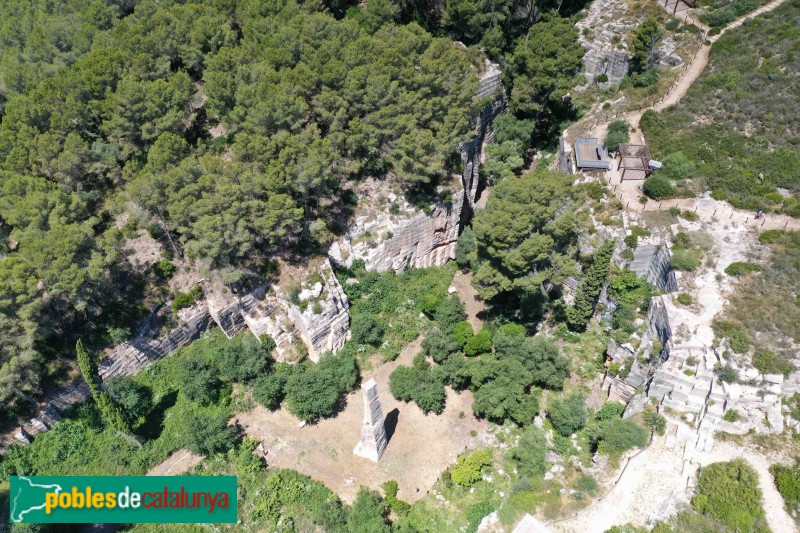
point(412, 266)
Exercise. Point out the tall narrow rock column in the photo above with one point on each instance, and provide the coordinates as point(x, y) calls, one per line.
point(373, 433)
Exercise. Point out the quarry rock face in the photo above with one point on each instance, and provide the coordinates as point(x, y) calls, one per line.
point(413, 238)
point(604, 32)
point(318, 316)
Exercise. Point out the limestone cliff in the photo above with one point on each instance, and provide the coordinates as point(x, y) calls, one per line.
point(413, 238)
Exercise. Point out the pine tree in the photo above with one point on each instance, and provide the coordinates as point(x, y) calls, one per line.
point(112, 413)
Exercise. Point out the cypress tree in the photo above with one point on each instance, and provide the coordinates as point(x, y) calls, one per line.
point(112, 413)
point(581, 312)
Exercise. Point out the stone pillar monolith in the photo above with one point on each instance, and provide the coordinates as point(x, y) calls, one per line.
point(373, 433)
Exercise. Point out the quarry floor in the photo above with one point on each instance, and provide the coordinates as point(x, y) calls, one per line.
point(420, 447)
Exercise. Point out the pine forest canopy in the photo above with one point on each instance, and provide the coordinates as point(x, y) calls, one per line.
point(106, 110)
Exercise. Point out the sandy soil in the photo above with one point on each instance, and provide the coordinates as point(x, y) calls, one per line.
point(420, 448)
point(473, 303)
point(179, 462)
point(648, 481)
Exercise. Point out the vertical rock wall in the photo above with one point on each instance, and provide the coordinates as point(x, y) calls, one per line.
point(422, 240)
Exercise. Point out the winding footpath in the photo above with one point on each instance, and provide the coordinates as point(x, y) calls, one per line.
point(655, 474)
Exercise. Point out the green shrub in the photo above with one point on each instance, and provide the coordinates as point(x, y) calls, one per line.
point(691, 216)
point(769, 362)
point(632, 240)
point(245, 357)
point(738, 268)
point(367, 329)
point(209, 434)
point(726, 373)
point(678, 166)
point(476, 513)
point(199, 381)
point(685, 260)
point(586, 484)
point(568, 415)
point(313, 391)
point(770, 236)
point(134, 398)
point(618, 133)
point(729, 492)
point(732, 415)
point(187, 299)
point(610, 411)
point(619, 435)
point(655, 421)
point(601, 78)
point(479, 343)
point(529, 456)
point(738, 337)
point(787, 479)
point(268, 390)
point(658, 187)
point(467, 470)
point(164, 268)
point(684, 299)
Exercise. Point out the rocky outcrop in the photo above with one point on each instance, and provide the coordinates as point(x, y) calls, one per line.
point(652, 263)
point(604, 32)
point(318, 316)
point(413, 238)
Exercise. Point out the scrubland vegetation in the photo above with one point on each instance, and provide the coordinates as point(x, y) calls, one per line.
point(736, 131)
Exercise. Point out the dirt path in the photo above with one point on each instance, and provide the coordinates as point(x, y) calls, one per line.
point(648, 481)
point(473, 303)
point(777, 517)
point(179, 462)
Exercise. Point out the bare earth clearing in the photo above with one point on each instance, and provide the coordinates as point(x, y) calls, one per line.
point(179, 462)
point(420, 448)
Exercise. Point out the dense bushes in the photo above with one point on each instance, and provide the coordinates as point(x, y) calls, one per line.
point(683, 259)
point(787, 479)
point(199, 381)
point(658, 187)
point(738, 125)
point(738, 268)
point(568, 415)
point(730, 12)
point(467, 470)
point(769, 362)
point(420, 383)
point(314, 391)
point(529, 456)
point(619, 435)
point(210, 434)
point(729, 492)
point(618, 133)
point(245, 360)
point(738, 337)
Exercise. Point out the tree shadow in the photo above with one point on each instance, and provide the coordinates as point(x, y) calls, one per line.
point(390, 423)
point(153, 425)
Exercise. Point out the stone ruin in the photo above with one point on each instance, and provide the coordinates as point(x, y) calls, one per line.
point(418, 239)
point(319, 317)
point(603, 32)
point(682, 380)
point(373, 439)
